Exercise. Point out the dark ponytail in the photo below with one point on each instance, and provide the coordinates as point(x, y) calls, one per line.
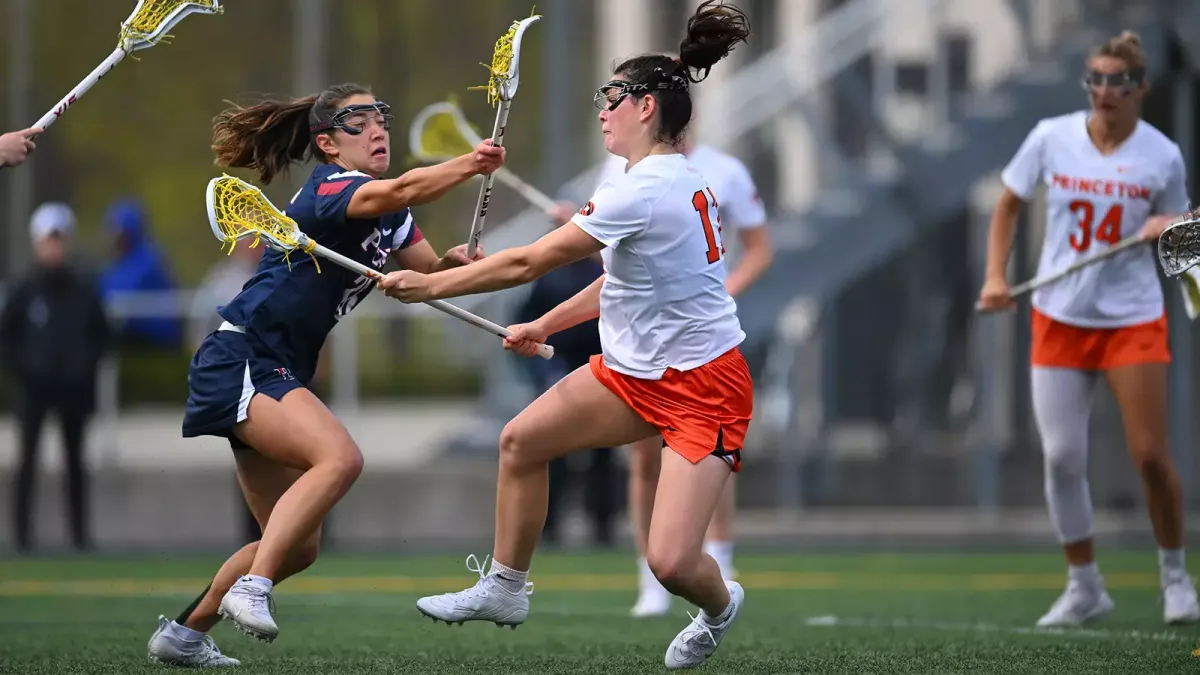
point(712, 33)
point(269, 136)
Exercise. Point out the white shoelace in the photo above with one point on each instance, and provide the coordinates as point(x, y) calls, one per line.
point(704, 630)
point(260, 598)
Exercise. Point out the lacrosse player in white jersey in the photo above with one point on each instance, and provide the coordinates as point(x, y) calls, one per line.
point(1109, 176)
point(741, 208)
point(669, 333)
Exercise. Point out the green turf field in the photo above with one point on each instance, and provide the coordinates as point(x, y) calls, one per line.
point(803, 614)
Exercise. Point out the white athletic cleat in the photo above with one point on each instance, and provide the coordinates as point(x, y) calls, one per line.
point(249, 604)
point(1179, 600)
point(487, 600)
point(1081, 602)
point(700, 639)
point(167, 648)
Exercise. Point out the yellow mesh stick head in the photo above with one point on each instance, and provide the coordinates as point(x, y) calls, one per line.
point(151, 19)
point(239, 210)
point(440, 132)
point(504, 71)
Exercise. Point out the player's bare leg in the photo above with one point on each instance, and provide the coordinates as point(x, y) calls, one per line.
point(184, 641)
point(645, 461)
point(300, 432)
point(718, 541)
point(683, 509)
point(577, 413)
point(1141, 393)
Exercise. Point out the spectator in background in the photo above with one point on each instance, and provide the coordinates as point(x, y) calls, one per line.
point(572, 349)
point(139, 267)
point(223, 281)
point(15, 147)
point(53, 333)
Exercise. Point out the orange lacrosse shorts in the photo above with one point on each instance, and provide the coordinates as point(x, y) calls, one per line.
point(699, 412)
point(1060, 345)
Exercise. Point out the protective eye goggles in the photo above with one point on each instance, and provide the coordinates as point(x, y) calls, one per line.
point(1127, 80)
point(609, 96)
point(353, 119)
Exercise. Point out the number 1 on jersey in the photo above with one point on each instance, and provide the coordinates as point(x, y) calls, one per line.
point(1109, 229)
point(700, 203)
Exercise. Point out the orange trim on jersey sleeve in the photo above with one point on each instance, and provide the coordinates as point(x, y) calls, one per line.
point(1060, 345)
point(699, 412)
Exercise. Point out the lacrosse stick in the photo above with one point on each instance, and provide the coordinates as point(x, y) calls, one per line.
point(1179, 244)
point(238, 210)
point(145, 27)
point(439, 132)
point(502, 86)
point(1038, 282)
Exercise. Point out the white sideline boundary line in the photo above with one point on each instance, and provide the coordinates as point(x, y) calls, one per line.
point(830, 621)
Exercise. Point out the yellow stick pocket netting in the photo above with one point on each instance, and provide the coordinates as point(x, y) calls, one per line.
point(441, 136)
point(502, 58)
point(238, 210)
point(150, 15)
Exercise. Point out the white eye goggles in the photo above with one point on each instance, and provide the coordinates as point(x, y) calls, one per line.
point(1126, 80)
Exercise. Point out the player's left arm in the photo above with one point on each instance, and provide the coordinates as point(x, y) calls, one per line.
point(748, 216)
point(1172, 203)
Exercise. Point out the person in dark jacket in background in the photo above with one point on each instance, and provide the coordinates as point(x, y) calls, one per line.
point(139, 267)
point(53, 333)
point(572, 349)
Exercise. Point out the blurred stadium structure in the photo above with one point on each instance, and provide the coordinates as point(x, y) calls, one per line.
point(875, 129)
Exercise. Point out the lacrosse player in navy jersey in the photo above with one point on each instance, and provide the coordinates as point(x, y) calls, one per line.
point(248, 379)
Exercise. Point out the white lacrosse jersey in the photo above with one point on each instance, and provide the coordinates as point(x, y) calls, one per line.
point(663, 303)
point(737, 195)
point(1093, 202)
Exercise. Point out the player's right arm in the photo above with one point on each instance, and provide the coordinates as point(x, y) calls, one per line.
point(1020, 180)
point(423, 184)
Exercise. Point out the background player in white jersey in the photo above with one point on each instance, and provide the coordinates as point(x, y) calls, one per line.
point(1109, 176)
point(669, 332)
point(740, 208)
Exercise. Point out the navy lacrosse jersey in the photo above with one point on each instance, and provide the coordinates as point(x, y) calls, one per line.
point(289, 312)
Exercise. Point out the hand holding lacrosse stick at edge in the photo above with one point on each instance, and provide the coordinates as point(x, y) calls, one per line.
point(504, 76)
point(239, 210)
point(145, 27)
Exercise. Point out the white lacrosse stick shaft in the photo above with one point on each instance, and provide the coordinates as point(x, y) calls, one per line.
point(508, 89)
point(1034, 284)
point(80, 89)
point(544, 351)
point(127, 45)
point(485, 190)
point(1038, 282)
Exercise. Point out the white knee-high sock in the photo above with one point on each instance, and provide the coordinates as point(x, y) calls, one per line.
point(1062, 403)
point(722, 552)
